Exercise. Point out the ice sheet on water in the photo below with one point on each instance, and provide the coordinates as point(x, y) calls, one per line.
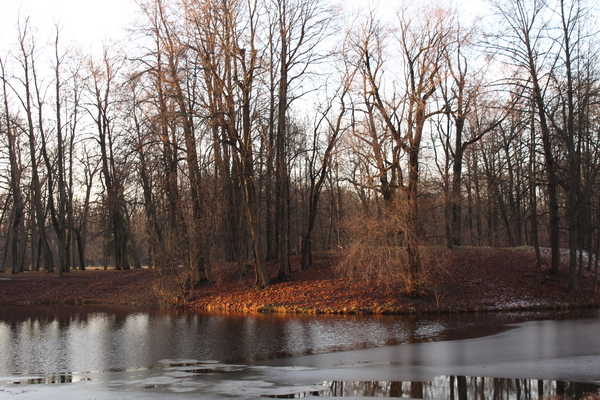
point(566, 350)
point(184, 362)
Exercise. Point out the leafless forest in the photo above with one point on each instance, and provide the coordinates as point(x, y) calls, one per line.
point(254, 130)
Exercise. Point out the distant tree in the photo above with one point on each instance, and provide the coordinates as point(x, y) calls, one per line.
point(333, 118)
point(300, 26)
point(15, 234)
point(522, 41)
point(91, 166)
point(30, 99)
point(463, 93)
point(102, 87)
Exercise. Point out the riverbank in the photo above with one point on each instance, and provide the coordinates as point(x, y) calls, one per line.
point(472, 279)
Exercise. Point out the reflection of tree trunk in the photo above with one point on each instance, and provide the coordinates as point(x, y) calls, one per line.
point(462, 387)
point(560, 388)
point(396, 389)
point(416, 390)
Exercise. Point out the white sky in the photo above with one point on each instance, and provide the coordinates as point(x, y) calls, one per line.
point(90, 23)
point(86, 22)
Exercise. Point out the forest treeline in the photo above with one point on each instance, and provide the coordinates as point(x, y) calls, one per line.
point(252, 130)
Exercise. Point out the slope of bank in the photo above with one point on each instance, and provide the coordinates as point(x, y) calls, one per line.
point(472, 279)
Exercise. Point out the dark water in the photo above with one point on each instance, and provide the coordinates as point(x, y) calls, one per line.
point(48, 340)
point(145, 353)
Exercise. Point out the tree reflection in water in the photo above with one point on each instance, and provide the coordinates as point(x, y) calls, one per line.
point(464, 387)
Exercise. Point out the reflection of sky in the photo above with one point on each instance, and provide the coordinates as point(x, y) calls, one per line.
point(101, 341)
point(93, 336)
point(134, 340)
point(104, 341)
point(551, 350)
point(5, 346)
point(124, 344)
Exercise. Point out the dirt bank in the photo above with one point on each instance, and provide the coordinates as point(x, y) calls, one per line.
point(474, 279)
point(110, 287)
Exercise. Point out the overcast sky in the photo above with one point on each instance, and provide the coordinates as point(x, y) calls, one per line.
point(85, 22)
point(88, 23)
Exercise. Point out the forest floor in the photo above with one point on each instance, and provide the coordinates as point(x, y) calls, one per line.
point(472, 279)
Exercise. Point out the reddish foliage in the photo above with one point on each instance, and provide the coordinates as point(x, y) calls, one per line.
point(474, 279)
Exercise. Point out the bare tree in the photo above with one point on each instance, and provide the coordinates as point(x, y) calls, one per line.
point(333, 117)
point(463, 94)
point(103, 83)
point(301, 25)
point(523, 42)
point(226, 48)
point(31, 93)
point(422, 37)
point(172, 51)
point(15, 232)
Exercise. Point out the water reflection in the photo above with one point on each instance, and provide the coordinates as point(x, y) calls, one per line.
point(137, 353)
point(462, 388)
point(53, 340)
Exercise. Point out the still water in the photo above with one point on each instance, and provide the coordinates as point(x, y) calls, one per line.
point(121, 353)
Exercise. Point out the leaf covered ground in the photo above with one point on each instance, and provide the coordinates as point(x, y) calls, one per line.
point(131, 288)
point(471, 279)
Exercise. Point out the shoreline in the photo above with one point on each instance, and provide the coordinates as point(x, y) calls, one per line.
point(475, 280)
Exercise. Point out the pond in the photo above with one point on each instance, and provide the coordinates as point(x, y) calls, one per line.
point(122, 353)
